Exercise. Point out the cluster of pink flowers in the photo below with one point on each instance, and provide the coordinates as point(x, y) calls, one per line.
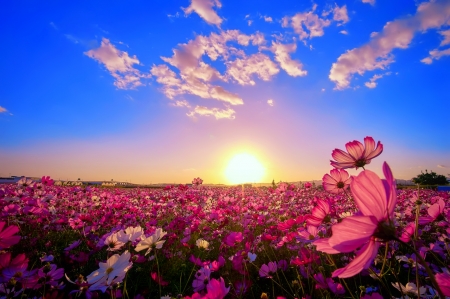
point(204, 242)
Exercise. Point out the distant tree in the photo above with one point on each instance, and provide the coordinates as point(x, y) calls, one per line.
point(430, 178)
point(273, 184)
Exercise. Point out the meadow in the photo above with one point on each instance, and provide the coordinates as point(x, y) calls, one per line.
point(355, 237)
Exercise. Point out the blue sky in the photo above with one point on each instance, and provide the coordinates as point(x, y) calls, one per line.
point(162, 91)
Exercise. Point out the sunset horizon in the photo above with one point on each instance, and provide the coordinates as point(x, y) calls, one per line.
point(162, 92)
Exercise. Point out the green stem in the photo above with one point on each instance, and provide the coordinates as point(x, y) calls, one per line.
point(159, 276)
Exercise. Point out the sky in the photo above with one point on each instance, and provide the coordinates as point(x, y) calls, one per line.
point(165, 91)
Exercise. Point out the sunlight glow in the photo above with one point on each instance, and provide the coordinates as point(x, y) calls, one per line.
point(244, 168)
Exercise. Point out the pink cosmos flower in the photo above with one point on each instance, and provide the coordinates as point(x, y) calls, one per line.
point(337, 182)
point(408, 232)
point(6, 236)
point(233, 238)
point(318, 213)
point(216, 289)
point(47, 181)
point(443, 280)
point(434, 211)
point(201, 279)
point(268, 270)
point(358, 155)
point(376, 201)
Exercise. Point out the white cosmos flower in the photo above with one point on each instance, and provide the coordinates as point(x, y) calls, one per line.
point(113, 271)
point(202, 244)
point(410, 289)
point(154, 241)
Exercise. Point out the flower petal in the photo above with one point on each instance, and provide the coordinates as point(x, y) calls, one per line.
point(352, 232)
point(362, 261)
point(370, 194)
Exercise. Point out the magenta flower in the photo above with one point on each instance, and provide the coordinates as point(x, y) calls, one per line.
point(318, 213)
point(358, 155)
point(233, 238)
point(443, 280)
point(434, 211)
point(376, 201)
point(337, 182)
point(7, 238)
point(216, 289)
point(268, 270)
point(47, 181)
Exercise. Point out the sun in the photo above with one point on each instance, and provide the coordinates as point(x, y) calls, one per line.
point(244, 168)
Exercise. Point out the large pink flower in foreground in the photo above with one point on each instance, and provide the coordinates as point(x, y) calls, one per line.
point(358, 155)
point(376, 201)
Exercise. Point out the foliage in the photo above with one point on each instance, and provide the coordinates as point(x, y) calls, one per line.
point(430, 178)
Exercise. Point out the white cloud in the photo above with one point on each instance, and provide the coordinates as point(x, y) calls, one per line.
point(180, 103)
point(292, 67)
point(268, 19)
point(242, 70)
point(345, 32)
point(371, 2)
point(441, 166)
point(119, 64)
point(217, 113)
point(446, 35)
point(204, 8)
point(270, 102)
point(340, 14)
point(306, 24)
point(372, 81)
point(322, 90)
point(249, 22)
point(2, 109)
point(195, 76)
point(395, 35)
point(435, 55)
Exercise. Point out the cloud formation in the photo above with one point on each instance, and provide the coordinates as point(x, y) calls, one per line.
point(270, 102)
point(435, 54)
point(372, 82)
point(217, 113)
point(205, 9)
point(397, 34)
point(306, 24)
point(2, 109)
point(260, 65)
point(371, 2)
point(340, 14)
point(119, 64)
point(441, 166)
point(294, 68)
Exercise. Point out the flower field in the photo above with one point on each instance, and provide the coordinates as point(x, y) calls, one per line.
point(353, 237)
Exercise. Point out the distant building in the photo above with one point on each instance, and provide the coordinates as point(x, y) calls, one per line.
point(10, 180)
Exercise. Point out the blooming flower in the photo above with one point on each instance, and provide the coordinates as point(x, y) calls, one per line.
point(268, 270)
point(434, 211)
point(318, 213)
point(216, 289)
point(202, 243)
point(337, 182)
point(154, 241)
point(6, 236)
point(358, 155)
point(376, 201)
point(112, 271)
point(443, 280)
point(201, 279)
point(410, 289)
